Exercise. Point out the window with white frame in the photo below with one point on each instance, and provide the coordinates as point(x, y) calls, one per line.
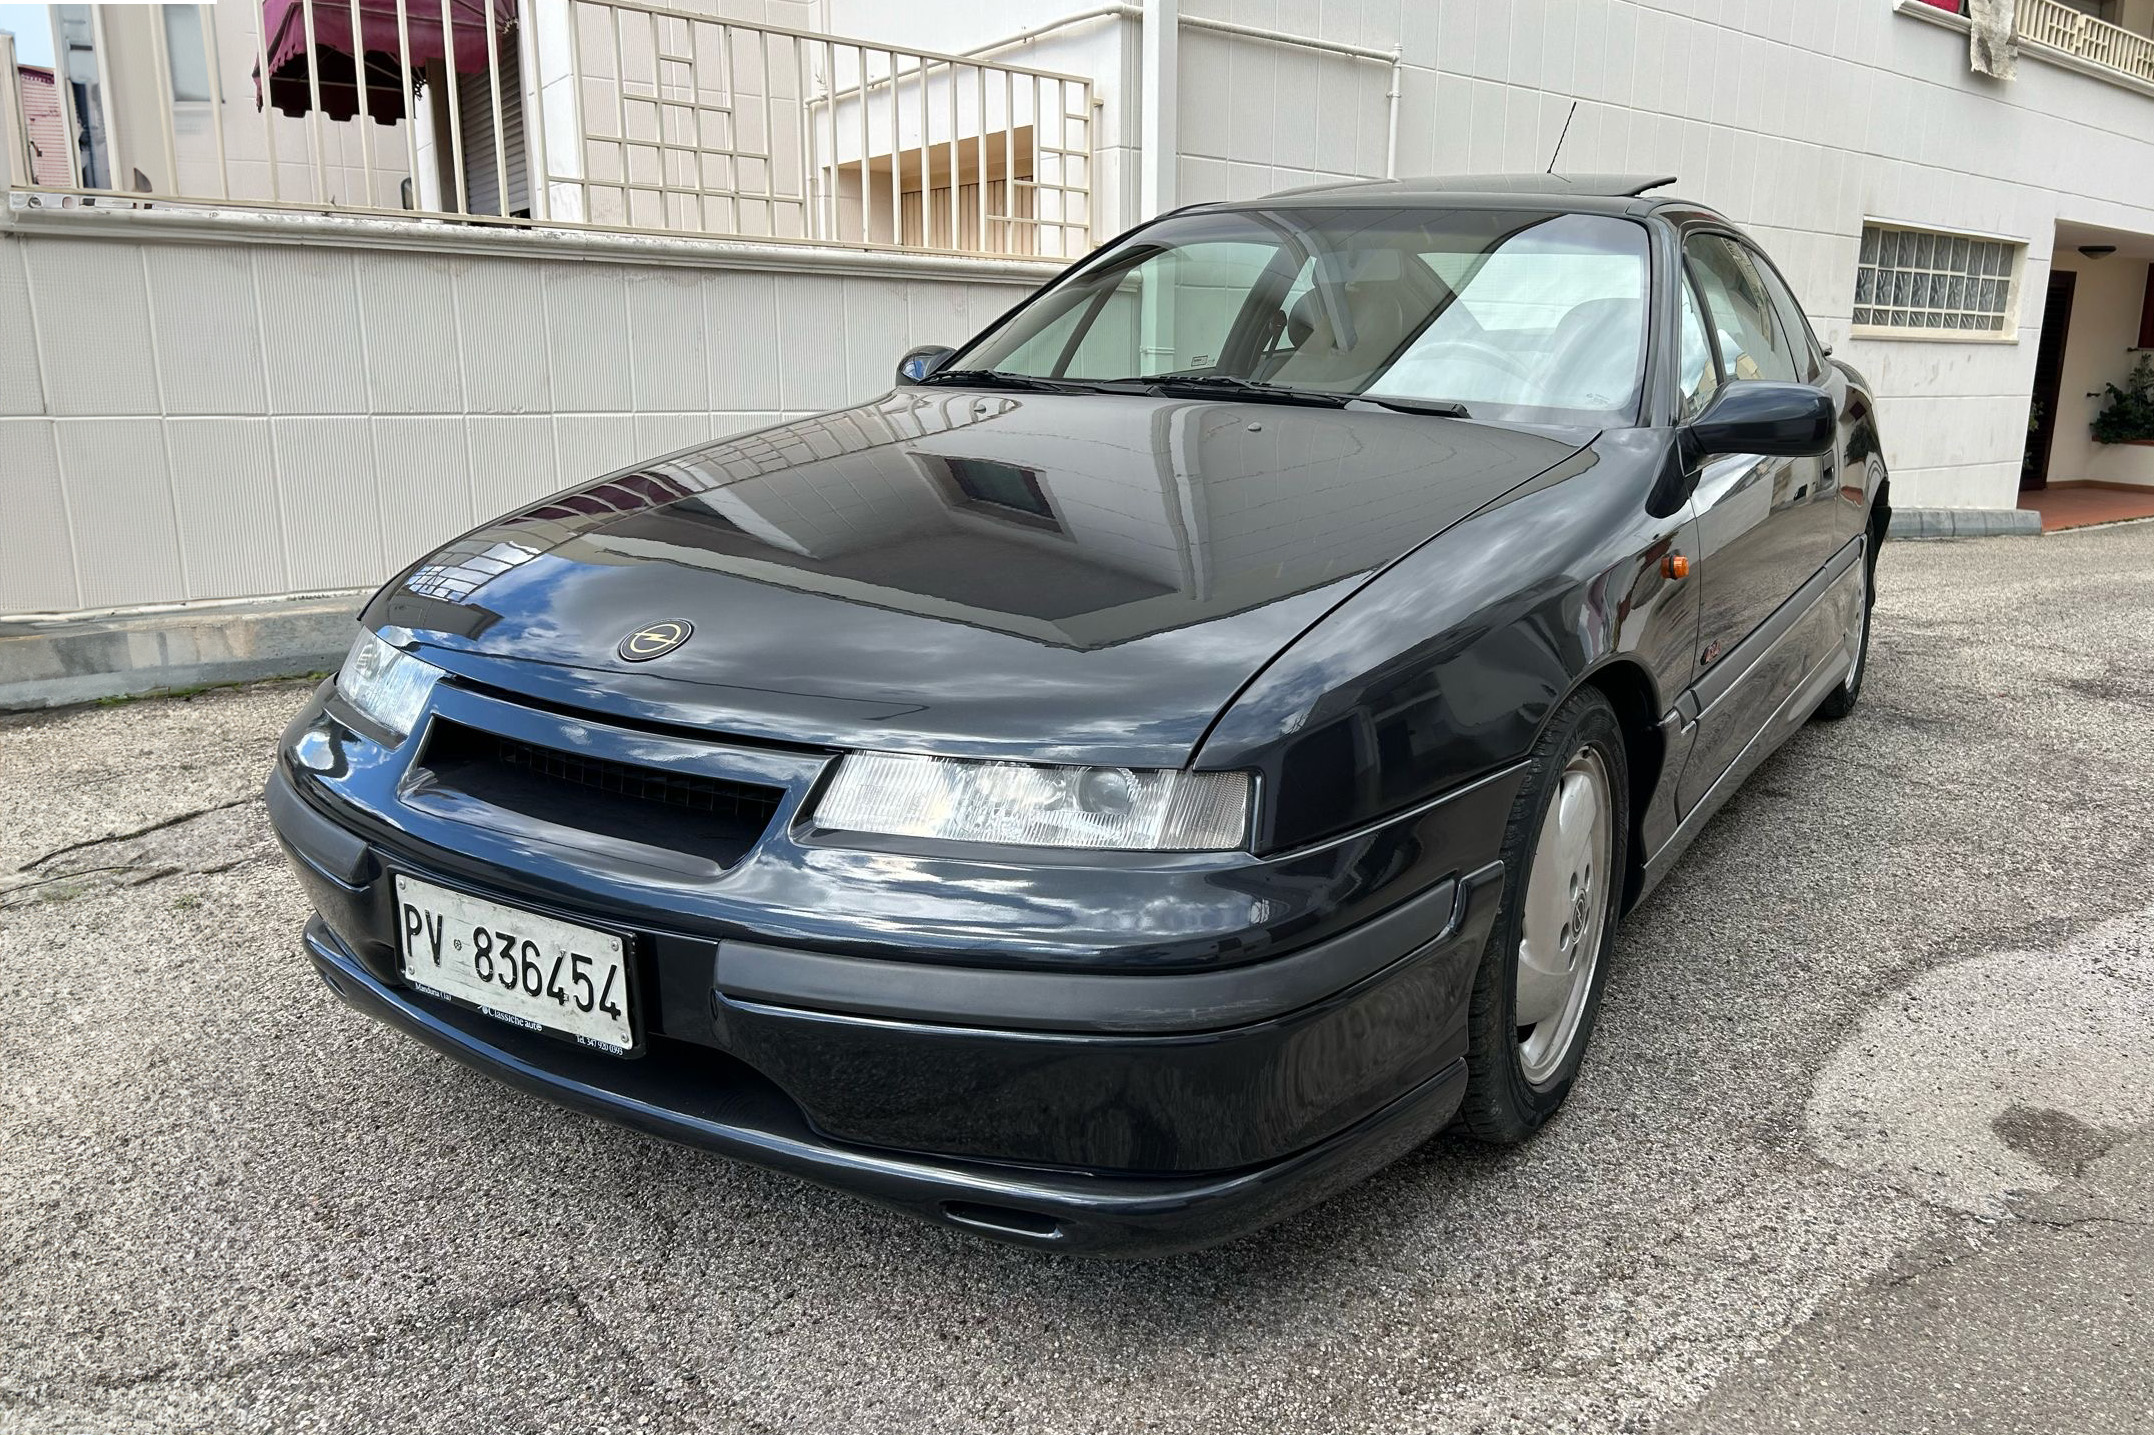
point(1918, 280)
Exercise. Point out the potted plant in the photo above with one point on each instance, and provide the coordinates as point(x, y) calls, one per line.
point(2127, 416)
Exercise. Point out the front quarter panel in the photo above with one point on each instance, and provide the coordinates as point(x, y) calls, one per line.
point(1445, 667)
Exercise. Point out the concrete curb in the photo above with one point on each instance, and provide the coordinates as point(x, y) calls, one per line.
point(79, 658)
point(1965, 523)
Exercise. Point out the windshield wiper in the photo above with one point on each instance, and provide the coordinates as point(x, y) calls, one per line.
point(1440, 408)
point(1226, 385)
point(997, 379)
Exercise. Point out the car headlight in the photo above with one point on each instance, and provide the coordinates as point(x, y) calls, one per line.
point(1131, 809)
point(388, 686)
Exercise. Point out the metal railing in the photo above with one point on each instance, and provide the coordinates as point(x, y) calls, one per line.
point(2059, 26)
point(616, 115)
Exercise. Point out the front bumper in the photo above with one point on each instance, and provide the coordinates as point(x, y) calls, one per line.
point(1095, 1104)
point(724, 1107)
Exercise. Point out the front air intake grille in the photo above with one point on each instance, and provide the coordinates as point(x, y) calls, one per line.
point(681, 811)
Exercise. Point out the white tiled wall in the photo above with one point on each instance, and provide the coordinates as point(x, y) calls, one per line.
point(186, 421)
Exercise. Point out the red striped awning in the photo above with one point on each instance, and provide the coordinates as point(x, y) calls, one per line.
point(380, 43)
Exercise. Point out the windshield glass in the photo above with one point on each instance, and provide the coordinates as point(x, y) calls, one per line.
point(1519, 315)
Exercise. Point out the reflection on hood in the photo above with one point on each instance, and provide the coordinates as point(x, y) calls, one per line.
point(1075, 521)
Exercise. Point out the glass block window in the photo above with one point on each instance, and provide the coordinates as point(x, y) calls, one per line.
point(1914, 279)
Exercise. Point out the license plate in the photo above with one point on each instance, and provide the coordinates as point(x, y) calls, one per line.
point(530, 971)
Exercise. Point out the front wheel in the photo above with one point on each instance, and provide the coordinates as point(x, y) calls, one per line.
point(1539, 984)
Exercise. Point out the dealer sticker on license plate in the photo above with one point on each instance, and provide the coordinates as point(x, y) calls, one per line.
point(525, 969)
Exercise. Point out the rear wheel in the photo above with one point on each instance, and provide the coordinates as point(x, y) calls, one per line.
point(1841, 700)
point(1539, 985)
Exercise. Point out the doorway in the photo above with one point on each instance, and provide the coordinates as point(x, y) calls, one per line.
point(2048, 379)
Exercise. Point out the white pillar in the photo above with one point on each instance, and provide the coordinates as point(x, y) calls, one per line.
point(14, 143)
point(1158, 137)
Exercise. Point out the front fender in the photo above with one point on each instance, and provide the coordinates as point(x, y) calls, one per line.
point(1445, 667)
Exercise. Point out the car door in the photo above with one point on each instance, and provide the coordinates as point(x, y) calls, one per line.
point(1765, 525)
point(1847, 517)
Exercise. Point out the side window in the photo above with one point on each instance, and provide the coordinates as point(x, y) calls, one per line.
point(1811, 360)
point(1754, 344)
point(1699, 378)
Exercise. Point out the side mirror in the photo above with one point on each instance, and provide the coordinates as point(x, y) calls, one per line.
point(918, 363)
point(1776, 420)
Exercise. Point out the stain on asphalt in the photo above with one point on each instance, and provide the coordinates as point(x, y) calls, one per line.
point(2057, 1141)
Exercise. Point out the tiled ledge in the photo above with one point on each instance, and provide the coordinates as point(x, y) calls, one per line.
point(25, 213)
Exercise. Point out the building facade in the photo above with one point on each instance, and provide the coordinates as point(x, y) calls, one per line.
point(258, 347)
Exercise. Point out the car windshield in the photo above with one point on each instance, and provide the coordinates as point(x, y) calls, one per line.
point(1513, 315)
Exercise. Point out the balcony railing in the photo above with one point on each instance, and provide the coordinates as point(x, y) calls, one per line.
point(615, 115)
point(2059, 26)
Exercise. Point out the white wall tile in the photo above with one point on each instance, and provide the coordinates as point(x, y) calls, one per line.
point(312, 351)
point(1294, 123)
point(424, 474)
point(408, 303)
point(593, 445)
point(875, 309)
point(660, 434)
point(209, 336)
point(740, 320)
point(811, 348)
point(224, 482)
point(22, 388)
point(37, 561)
point(500, 307)
point(936, 313)
point(93, 326)
point(119, 498)
point(332, 506)
point(666, 340)
point(587, 337)
point(512, 463)
point(1201, 110)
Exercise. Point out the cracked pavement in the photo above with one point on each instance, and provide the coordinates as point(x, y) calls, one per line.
point(1862, 1144)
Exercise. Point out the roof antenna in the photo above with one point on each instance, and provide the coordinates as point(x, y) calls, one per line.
point(1562, 137)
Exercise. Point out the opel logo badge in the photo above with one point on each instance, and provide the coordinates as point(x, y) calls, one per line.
point(655, 641)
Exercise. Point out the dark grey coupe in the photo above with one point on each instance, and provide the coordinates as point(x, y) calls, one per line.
point(1154, 767)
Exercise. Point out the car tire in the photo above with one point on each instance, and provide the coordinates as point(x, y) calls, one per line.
point(1547, 958)
point(1841, 700)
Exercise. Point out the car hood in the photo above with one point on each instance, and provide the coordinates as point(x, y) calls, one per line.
point(1055, 577)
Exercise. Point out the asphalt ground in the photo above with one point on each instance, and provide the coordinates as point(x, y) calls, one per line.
point(1862, 1143)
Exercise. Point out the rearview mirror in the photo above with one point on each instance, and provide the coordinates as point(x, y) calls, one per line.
point(918, 363)
point(1776, 420)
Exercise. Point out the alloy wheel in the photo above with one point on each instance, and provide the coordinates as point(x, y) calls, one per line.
point(1565, 916)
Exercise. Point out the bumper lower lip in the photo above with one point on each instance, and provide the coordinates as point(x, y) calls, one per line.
point(1078, 1212)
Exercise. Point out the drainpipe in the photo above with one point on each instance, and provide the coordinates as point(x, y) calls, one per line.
point(1159, 140)
point(1391, 141)
point(1120, 11)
